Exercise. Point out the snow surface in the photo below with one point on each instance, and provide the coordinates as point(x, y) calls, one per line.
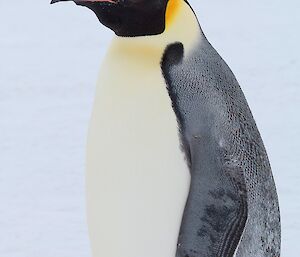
point(49, 60)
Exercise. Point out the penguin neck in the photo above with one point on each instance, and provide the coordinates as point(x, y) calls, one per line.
point(181, 26)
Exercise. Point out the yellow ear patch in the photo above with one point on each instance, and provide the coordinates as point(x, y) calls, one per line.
point(171, 11)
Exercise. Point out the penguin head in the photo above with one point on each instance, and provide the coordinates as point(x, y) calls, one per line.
point(129, 18)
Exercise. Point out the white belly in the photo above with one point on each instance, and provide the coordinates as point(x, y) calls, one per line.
point(137, 179)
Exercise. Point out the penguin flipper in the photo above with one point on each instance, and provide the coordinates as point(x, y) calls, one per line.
point(216, 210)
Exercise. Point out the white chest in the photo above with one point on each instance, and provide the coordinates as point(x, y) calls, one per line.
point(137, 179)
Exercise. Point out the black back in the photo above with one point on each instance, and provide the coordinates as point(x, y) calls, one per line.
point(232, 204)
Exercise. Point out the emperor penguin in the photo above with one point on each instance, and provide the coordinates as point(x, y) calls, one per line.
point(175, 163)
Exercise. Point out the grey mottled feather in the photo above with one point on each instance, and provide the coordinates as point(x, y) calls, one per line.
point(232, 206)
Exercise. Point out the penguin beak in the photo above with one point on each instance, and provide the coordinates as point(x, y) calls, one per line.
point(85, 1)
point(56, 1)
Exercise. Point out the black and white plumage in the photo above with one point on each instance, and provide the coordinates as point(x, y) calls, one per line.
point(161, 74)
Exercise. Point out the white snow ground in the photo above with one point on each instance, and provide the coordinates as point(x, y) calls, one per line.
point(49, 59)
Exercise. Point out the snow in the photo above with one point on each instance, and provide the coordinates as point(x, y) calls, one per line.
point(49, 60)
